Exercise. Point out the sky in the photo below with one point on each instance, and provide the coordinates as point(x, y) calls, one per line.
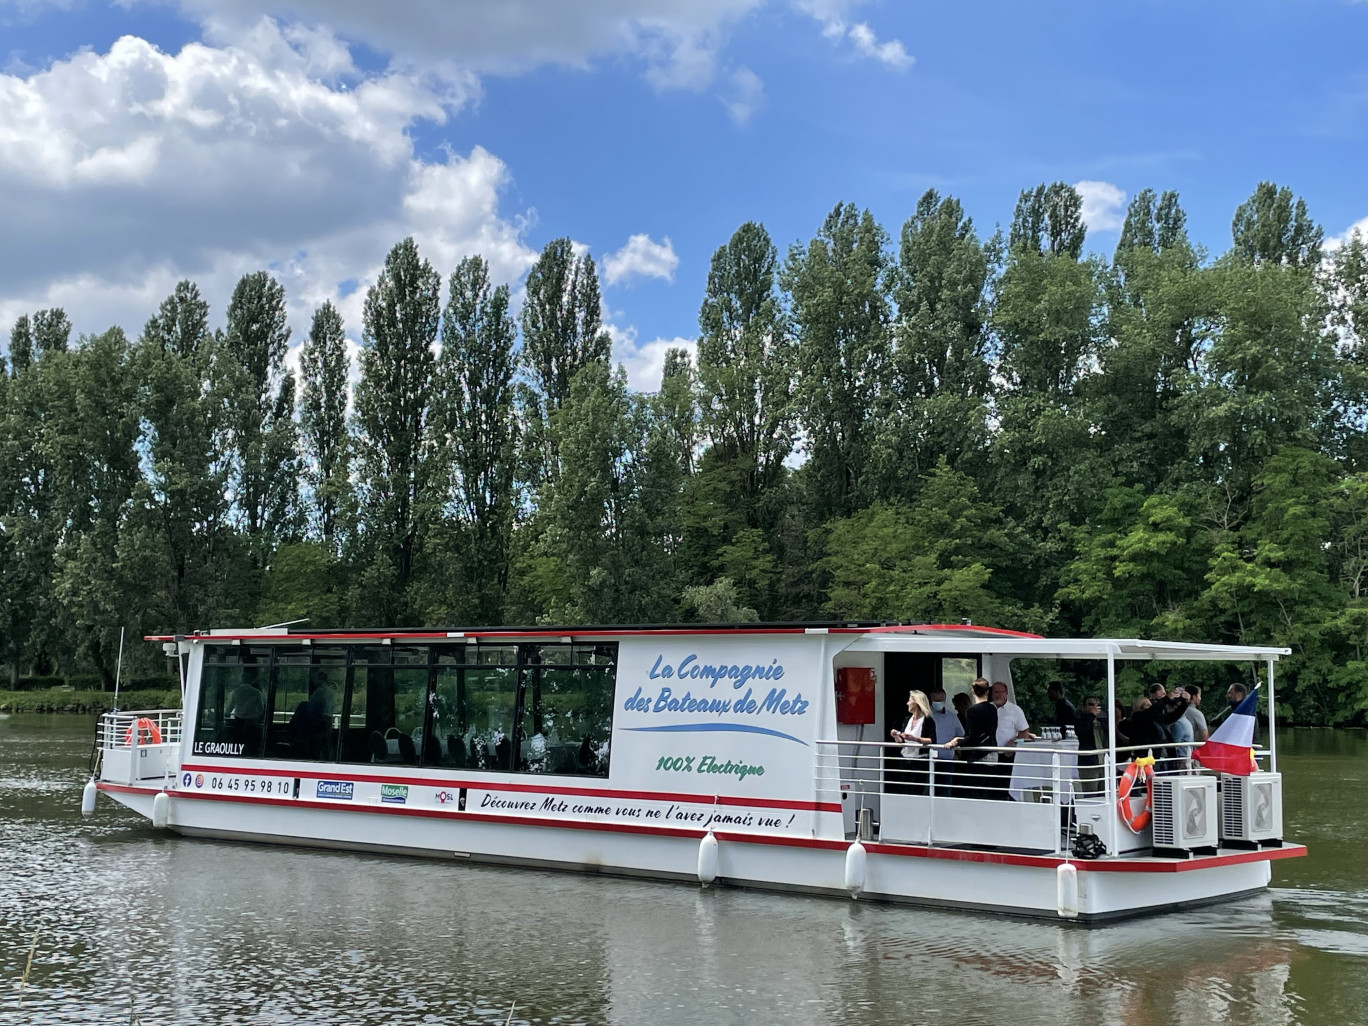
point(145, 141)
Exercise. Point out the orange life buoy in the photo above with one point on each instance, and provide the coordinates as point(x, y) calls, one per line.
point(148, 734)
point(1136, 821)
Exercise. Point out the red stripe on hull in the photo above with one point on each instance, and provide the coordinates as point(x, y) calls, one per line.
point(793, 805)
point(1145, 865)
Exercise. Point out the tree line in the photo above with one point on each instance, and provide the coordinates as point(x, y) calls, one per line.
point(937, 427)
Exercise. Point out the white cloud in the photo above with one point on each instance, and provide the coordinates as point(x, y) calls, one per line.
point(676, 40)
point(891, 53)
point(122, 172)
point(645, 363)
point(745, 95)
point(1104, 205)
point(834, 17)
point(1334, 242)
point(641, 258)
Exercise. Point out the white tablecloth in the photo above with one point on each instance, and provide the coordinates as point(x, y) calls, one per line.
point(1034, 768)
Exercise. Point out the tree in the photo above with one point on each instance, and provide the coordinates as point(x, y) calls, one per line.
point(941, 384)
point(1271, 227)
point(259, 417)
point(840, 320)
point(929, 561)
point(1159, 313)
point(394, 465)
point(1049, 220)
point(475, 425)
point(101, 426)
point(562, 332)
point(323, 367)
point(1269, 373)
point(747, 413)
point(177, 552)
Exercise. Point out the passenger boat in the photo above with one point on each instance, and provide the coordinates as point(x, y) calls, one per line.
point(747, 755)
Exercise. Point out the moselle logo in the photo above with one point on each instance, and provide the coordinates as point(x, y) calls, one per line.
point(199, 779)
point(394, 794)
point(444, 797)
point(339, 790)
point(185, 779)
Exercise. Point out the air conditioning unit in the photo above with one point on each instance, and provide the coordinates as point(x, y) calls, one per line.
point(1185, 812)
point(1251, 807)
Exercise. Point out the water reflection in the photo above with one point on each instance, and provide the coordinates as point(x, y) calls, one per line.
point(191, 931)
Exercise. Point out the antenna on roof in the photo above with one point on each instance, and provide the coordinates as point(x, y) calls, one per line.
point(287, 623)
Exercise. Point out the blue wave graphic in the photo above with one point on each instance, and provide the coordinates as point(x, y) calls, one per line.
point(734, 727)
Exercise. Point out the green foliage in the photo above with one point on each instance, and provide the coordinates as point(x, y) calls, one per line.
point(840, 315)
point(395, 468)
point(325, 445)
point(1004, 431)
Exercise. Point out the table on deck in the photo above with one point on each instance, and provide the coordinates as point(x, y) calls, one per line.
point(1033, 769)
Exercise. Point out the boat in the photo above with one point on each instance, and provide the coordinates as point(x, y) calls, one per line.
point(747, 755)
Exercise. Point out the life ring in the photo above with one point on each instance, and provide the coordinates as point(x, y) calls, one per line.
point(1138, 768)
point(148, 734)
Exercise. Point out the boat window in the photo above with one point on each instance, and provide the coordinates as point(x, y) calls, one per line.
point(303, 713)
point(232, 705)
point(567, 709)
point(530, 707)
point(958, 674)
point(413, 655)
point(487, 716)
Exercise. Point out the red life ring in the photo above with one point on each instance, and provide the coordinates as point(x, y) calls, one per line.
point(1136, 821)
point(148, 734)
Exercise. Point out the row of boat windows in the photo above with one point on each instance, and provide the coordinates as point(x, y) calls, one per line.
point(532, 708)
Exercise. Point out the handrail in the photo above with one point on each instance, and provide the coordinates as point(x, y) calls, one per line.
point(120, 729)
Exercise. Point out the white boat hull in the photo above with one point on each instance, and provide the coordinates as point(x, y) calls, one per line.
point(1024, 885)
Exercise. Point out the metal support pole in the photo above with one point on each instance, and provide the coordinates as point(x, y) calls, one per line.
point(1272, 724)
point(1114, 840)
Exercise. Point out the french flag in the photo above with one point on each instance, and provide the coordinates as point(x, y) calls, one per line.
point(1231, 748)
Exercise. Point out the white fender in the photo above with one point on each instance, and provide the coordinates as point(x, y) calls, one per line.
point(161, 810)
point(1066, 884)
point(855, 869)
point(88, 794)
point(707, 858)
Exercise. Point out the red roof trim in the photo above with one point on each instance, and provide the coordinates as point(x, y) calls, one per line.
point(417, 635)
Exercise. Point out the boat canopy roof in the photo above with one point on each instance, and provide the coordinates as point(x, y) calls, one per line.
point(868, 636)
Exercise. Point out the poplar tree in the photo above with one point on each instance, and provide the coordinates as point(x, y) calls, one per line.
point(101, 425)
point(394, 466)
point(748, 419)
point(941, 384)
point(475, 426)
point(840, 318)
point(259, 417)
point(323, 368)
point(562, 332)
point(177, 551)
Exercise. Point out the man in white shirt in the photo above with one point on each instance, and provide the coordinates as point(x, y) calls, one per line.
point(1011, 726)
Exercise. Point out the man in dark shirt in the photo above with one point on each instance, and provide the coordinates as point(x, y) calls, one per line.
point(1091, 729)
point(1065, 714)
point(980, 731)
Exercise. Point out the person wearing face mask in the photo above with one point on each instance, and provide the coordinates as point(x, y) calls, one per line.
point(947, 726)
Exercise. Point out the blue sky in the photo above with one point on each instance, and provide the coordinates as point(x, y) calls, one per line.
point(308, 135)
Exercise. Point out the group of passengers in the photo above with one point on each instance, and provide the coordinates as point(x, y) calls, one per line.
point(1165, 723)
point(986, 720)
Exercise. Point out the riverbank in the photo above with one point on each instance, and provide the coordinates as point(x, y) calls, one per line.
point(63, 700)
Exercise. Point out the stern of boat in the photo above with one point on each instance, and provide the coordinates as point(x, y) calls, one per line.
point(137, 755)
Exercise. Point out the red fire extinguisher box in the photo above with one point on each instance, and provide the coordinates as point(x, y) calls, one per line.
point(855, 694)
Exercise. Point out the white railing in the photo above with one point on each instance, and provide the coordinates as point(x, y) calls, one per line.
point(142, 727)
point(1018, 800)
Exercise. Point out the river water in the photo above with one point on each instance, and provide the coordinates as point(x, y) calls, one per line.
point(133, 925)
